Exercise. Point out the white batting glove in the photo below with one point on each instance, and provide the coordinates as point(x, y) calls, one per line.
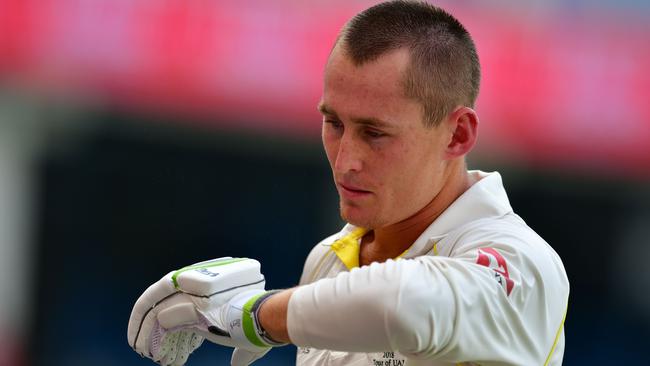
point(211, 299)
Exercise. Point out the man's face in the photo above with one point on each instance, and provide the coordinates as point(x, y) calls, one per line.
point(386, 164)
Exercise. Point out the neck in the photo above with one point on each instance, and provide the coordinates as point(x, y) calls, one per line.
point(390, 241)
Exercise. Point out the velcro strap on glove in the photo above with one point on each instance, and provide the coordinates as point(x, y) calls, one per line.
point(243, 324)
point(252, 308)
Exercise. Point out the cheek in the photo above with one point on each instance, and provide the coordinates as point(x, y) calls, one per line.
point(397, 172)
point(412, 169)
point(331, 149)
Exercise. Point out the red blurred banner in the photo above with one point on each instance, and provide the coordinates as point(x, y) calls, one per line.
point(559, 87)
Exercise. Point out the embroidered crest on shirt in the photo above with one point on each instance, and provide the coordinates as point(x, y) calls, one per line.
point(492, 259)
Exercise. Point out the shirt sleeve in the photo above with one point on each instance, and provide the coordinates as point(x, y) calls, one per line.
point(488, 301)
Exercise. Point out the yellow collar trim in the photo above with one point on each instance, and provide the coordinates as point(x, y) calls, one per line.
point(348, 247)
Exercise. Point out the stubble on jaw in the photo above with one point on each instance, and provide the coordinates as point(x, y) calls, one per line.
point(370, 223)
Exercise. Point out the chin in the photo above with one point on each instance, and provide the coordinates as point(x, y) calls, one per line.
point(354, 216)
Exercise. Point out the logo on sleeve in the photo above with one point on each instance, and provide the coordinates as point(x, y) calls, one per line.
point(492, 259)
point(388, 359)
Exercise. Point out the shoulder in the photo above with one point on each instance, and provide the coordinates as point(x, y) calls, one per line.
point(507, 242)
point(508, 232)
point(316, 256)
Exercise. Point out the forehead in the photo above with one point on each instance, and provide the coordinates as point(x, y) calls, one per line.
point(373, 89)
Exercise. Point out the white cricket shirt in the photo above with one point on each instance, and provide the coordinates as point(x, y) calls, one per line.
point(478, 287)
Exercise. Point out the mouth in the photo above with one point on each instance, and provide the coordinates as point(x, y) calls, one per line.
point(350, 192)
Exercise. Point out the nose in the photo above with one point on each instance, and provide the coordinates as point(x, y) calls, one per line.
point(349, 155)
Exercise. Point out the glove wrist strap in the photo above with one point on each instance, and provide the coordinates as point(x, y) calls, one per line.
point(252, 307)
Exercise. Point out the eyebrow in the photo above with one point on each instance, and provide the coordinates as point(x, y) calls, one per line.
point(366, 121)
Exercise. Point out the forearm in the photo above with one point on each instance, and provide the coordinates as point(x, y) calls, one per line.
point(273, 316)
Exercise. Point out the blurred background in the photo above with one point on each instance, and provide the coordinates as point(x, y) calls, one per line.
point(141, 136)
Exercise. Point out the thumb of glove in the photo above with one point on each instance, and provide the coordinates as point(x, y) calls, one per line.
point(242, 357)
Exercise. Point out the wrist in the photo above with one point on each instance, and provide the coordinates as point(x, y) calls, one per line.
point(272, 315)
point(253, 307)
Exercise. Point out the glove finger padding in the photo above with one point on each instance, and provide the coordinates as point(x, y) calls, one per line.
point(195, 342)
point(178, 352)
point(183, 348)
point(218, 277)
point(166, 355)
point(242, 357)
point(173, 314)
point(142, 320)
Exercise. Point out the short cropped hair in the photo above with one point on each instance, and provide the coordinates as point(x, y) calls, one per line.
point(444, 69)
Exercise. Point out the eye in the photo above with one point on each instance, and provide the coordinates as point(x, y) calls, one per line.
point(334, 124)
point(373, 134)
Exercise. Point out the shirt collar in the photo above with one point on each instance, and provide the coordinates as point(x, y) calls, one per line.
point(486, 198)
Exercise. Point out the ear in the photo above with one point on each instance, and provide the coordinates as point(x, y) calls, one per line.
point(463, 122)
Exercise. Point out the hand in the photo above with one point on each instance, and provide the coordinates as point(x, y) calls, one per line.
point(172, 316)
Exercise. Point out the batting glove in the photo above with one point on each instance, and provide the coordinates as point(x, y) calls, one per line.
point(216, 299)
